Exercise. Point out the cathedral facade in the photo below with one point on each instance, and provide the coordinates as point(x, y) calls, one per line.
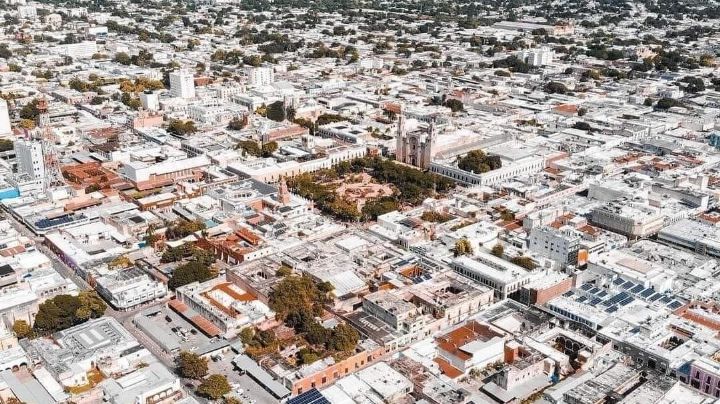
point(414, 147)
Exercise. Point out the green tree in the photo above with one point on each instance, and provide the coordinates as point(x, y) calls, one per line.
point(183, 228)
point(276, 111)
point(191, 365)
point(478, 162)
point(307, 356)
point(379, 206)
point(455, 105)
point(22, 329)
point(463, 247)
point(30, 110)
point(214, 387)
point(498, 250)
point(268, 148)
point(5, 145)
point(296, 293)
point(554, 87)
point(181, 128)
point(249, 147)
point(344, 338)
point(64, 311)
point(122, 58)
point(283, 271)
point(190, 272)
point(238, 123)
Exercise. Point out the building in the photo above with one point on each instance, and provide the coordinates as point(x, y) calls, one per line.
point(504, 277)
point(151, 384)
point(260, 76)
point(182, 84)
point(101, 344)
point(5, 128)
point(696, 236)
point(150, 100)
point(537, 57)
point(145, 175)
point(704, 376)
point(560, 245)
point(28, 12)
point(30, 159)
point(414, 146)
point(128, 288)
point(472, 345)
point(630, 219)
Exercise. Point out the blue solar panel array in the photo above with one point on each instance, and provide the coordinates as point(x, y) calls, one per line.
point(674, 305)
point(58, 221)
point(647, 292)
point(637, 288)
point(594, 296)
point(310, 397)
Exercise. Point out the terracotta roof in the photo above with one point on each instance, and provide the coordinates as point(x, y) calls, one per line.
point(9, 252)
point(457, 338)
point(177, 305)
point(447, 369)
point(205, 325)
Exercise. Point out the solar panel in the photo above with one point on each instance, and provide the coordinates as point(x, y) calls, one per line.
point(627, 285)
point(582, 299)
point(637, 289)
point(310, 397)
point(666, 299)
point(595, 301)
point(594, 290)
point(655, 297)
point(586, 286)
point(618, 281)
point(617, 298)
point(602, 294)
point(611, 309)
point(627, 301)
point(568, 293)
point(674, 305)
point(647, 292)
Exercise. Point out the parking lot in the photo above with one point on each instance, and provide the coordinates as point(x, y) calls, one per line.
point(244, 387)
point(186, 335)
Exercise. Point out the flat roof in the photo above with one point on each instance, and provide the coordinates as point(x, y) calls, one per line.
point(251, 367)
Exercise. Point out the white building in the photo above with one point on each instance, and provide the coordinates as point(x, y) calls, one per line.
point(80, 50)
point(5, 128)
point(260, 76)
point(151, 384)
point(525, 166)
point(182, 84)
point(30, 159)
point(125, 289)
point(150, 100)
point(632, 220)
point(27, 12)
point(502, 276)
point(560, 245)
point(537, 57)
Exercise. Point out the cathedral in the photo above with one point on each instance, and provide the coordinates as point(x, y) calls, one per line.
point(415, 146)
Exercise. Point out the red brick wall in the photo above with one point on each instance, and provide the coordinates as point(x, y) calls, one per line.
point(341, 369)
point(541, 296)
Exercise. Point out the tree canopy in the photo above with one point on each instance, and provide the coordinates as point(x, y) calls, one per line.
point(65, 311)
point(191, 365)
point(478, 162)
point(214, 387)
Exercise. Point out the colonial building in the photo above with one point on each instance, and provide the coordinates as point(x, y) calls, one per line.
point(414, 147)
